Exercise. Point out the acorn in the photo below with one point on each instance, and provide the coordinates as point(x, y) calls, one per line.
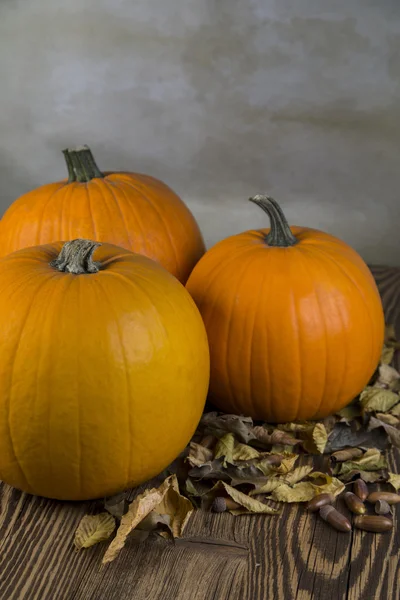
point(319, 501)
point(335, 518)
point(221, 504)
point(389, 497)
point(374, 523)
point(354, 503)
point(360, 489)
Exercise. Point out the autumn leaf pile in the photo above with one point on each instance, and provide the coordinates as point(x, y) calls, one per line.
point(243, 467)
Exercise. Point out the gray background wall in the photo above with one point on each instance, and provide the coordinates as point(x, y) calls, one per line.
point(221, 99)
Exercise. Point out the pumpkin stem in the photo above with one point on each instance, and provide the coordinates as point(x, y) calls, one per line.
point(76, 257)
point(81, 164)
point(280, 233)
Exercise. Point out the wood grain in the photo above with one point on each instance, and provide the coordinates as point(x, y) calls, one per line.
point(294, 556)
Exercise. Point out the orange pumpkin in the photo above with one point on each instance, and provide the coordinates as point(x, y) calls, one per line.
point(134, 211)
point(104, 369)
point(294, 321)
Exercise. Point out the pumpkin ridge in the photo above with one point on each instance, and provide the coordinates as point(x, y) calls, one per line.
point(95, 235)
point(166, 229)
point(128, 386)
point(110, 189)
point(12, 374)
point(38, 241)
point(299, 352)
point(355, 284)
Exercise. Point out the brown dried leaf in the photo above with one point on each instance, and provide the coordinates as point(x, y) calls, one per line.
point(367, 476)
point(277, 436)
point(143, 505)
point(198, 455)
point(244, 452)
point(392, 432)
point(344, 436)
point(216, 424)
point(377, 399)
point(394, 480)
point(346, 454)
point(249, 505)
point(224, 448)
point(94, 529)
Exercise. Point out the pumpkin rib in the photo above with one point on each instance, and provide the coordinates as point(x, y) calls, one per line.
point(355, 284)
point(119, 207)
point(299, 352)
point(41, 218)
point(128, 386)
point(95, 234)
point(155, 209)
point(12, 376)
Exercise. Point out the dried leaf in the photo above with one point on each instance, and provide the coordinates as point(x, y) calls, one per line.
point(378, 399)
point(244, 452)
point(275, 437)
point(163, 500)
point(287, 463)
point(367, 476)
point(326, 484)
point(295, 426)
point(350, 412)
point(299, 492)
point(344, 436)
point(394, 480)
point(387, 355)
point(116, 505)
point(224, 448)
point(210, 470)
point(250, 505)
point(217, 425)
point(176, 507)
point(387, 376)
point(392, 432)
point(298, 474)
point(269, 486)
point(153, 521)
point(388, 418)
point(198, 455)
point(395, 410)
point(390, 337)
point(372, 460)
point(320, 437)
point(94, 529)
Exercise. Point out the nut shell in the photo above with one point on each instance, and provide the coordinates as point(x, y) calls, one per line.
point(389, 497)
point(332, 516)
point(374, 523)
point(319, 501)
point(354, 503)
point(360, 489)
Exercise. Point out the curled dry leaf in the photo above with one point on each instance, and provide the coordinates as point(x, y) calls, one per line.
point(344, 436)
point(371, 460)
point(394, 480)
point(320, 437)
point(163, 500)
point(290, 479)
point(277, 436)
point(387, 355)
point(224, 448)
point(388, 418)
point(94, 529)
point(387, 376)
point(216, 424)
point(249, 505)
point(326, 484)
point(299, 492)
point(198, 455)
point(392, 432)
point(346, 454)
point(286, 464)
point(377, 399)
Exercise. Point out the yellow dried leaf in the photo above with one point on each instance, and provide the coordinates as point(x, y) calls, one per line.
point(224, 448)
point(244, 452)
point(320, 437)
point(332, 485)
point(249, 505)
point(287, 463)
point(388, 376)
point(176, 507)
point(388, 418)
point(394, 480)
point(267, 487)
point(94, 529)
point(371, 460)
point(300, 492)
point(378, 399)
point(395, 410)
point(298, 474)
point(142, 506)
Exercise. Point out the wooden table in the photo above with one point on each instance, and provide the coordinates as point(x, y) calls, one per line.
point(295, 556)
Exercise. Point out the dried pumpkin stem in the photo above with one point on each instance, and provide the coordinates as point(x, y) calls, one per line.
point(81, 164)
point(280, 233)
point(76, 257)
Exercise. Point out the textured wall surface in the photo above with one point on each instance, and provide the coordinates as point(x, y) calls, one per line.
point(221, 99)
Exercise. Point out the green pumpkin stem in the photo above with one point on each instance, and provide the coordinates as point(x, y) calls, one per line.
point(81, 164)
point(76, 257)
point(280, 233)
